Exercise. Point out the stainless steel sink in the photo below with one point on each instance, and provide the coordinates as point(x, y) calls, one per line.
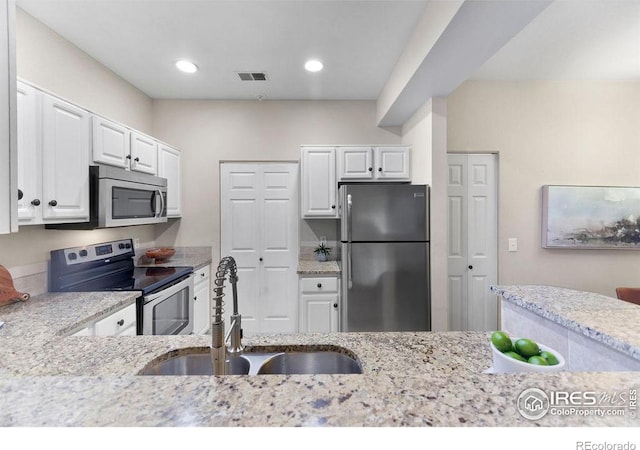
point(309, 363)
point(197, 361)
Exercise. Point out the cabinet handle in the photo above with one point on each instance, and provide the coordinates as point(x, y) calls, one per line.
point(335, 305)
point(370, 169)
point(333, 206)
point(379, 169)
point(202, 275)
point(319, 285)
point(136, 159)
point(20, 194)
point(53, 203)
point(120, 322)
point(470, 267)
point(128, 156)
point(35, 202)
point(195, 298)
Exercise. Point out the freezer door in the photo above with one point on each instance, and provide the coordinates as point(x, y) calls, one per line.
point(385, 287)
point(384, 212)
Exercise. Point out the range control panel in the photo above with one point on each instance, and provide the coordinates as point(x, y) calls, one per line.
point(97, 252)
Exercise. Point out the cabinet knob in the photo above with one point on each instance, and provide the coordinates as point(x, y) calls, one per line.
point(53, 203)
point(20, 194)
point(260, 259)
point(370, 169)
point(202, 275)
point(136, 159)
point(128, 156)
point(35, 202)
point(195, 298)
point(470, 267)
point(319, 285)
point(333, 206)
point(335, 305)
point(120, 322)
point(379, 169)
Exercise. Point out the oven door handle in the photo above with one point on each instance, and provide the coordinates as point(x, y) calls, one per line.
point(169, 291)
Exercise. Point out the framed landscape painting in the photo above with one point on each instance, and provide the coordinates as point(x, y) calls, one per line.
point(591, 217)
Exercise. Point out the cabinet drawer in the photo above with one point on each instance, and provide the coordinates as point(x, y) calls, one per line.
point(319, 284)
point(117, 322)
point(202, 275)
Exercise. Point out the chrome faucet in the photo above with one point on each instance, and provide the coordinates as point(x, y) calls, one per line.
point(219, 348)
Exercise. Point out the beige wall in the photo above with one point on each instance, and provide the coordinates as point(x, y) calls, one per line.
point(585, 133)
point(52, 63)
point(209, 131)
point(426, 133)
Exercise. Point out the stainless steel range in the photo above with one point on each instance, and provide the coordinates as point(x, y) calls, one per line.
point(165, 304)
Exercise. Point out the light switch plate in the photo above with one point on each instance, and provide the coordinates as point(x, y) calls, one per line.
point(513, 244)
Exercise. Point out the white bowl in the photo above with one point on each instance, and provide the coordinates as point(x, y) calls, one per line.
point(506, 364)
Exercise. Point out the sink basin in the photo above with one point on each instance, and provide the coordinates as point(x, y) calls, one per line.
point(309, 363)
point(193, 364)
point(197, 361)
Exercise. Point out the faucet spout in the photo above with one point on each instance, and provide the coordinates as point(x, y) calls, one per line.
point(218, 338)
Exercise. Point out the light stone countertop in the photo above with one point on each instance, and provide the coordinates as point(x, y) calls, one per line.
point(607, 320)
point(312, 267)
point(409, 379)
point(195, 257)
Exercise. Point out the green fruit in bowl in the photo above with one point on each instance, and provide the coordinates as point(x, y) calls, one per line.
point(501, 341)
point(549, 357)
point(515, 356)
point(538, 360)
point(526, 347)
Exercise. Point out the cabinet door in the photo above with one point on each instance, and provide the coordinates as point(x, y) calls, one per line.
point(319, 183)
point(65, 161)
point(355, 163)
point(392, 163)
point(120, 323)
point(319, 313)
point(144, 153)
point(111, 143)
point(169, 168)
point(29, 162)
point(202, 299)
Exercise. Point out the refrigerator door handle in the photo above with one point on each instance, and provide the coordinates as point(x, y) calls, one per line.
point(349, 204)
point(349, 266)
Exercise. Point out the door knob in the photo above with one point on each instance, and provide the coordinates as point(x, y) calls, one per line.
point(335, 305)
point(379, 169)
point(470, 267)
point(35, 202)
point(53, 203)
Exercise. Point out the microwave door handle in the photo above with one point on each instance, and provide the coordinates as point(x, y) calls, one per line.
point(162, 205)
point(154, 202)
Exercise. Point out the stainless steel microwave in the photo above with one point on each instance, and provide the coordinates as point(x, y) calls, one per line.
point(121, 198)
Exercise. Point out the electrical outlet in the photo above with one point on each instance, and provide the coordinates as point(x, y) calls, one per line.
point(136, 243)
point(513, 244)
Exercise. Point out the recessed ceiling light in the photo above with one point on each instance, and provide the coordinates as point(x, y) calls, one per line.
point(186, 66)
point(313, 65)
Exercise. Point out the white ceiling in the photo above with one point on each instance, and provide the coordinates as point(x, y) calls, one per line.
point(358, 41)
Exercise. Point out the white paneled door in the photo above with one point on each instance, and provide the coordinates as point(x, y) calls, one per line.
point(472, 248)
point(259, 229)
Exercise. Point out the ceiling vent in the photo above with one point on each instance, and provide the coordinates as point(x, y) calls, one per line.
point(252, 76)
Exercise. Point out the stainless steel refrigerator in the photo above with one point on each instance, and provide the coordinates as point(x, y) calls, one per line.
point(384, 231)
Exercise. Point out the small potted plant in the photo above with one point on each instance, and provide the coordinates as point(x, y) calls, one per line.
point(322, 252)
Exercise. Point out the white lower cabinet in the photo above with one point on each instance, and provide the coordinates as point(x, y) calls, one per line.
point(119, 323)
point(202, 301)
point(319, 302)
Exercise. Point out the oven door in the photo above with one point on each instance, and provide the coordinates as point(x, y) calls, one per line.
point(125, 203)
point(169, 311)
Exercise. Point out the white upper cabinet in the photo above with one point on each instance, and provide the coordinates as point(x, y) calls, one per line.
point(8, 145)
point(65, 160)
point(111, 143)
point(355, 163)
point(392, 163)
point(319, 188)
point(29, 155)
point(169, 168)
point(144, 153)
point(373, 163)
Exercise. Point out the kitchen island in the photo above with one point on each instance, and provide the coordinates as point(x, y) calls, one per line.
point(409, 379)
